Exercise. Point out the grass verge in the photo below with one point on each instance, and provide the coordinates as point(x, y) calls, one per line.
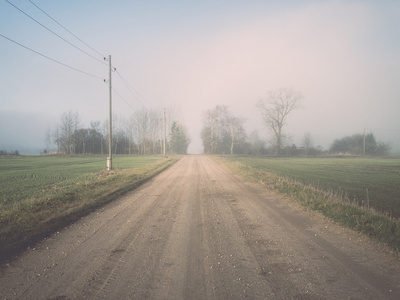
point(23, 225)
point(378, 227)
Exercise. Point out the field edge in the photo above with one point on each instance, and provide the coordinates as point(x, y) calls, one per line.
point(110, 186)
point(380, 228)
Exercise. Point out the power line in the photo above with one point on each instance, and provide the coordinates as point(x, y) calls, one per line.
point(83, 51)
point(66, 29)
point(52, 59)
point(123, 99)
point(130, 88)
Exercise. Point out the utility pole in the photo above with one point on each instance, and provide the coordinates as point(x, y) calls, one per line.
point(364, 143)
point(165, 130)
point(109, 158)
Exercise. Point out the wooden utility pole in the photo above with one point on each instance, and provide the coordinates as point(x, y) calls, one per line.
point(364, 143)
point(165, 131)
point(109, 158)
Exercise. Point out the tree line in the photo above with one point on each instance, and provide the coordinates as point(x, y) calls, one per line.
point(224, 133)
point(360, 144)
point(141, 133)
point(9, 153)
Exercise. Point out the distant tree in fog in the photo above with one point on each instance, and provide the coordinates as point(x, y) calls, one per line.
point(235, 130)
point(178, 139)
point(141, 133)
point(355, 145)
point(66, 137)
point(48, 141)
point(95, 138)
point(308, 142)
point(256, 144)
point(222, 131)
point(275, 108)
point(212, 133)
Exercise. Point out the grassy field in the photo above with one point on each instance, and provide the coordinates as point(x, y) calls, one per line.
point(39, 194)
point(373, 182)
point(37, 177)
point(336, 187)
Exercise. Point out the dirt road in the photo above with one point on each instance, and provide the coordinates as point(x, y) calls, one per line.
point(197, 231)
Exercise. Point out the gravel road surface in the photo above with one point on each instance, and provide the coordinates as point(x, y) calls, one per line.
point(197, 231)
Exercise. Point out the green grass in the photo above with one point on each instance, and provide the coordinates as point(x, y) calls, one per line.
point(373, 182)
point(40, 194)
point(36, 177)
point(319, 184)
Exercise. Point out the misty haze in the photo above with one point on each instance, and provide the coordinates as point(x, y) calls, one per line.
point(341, 57)
point(214, 149)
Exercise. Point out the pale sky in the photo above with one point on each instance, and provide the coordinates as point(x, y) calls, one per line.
point(342, 56)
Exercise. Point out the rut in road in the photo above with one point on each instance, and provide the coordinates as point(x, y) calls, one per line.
point(197, 231)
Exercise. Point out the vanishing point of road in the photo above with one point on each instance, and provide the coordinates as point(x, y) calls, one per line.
point(198, 231)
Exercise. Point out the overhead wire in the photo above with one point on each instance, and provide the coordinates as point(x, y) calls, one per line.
point(66, 29)
point(123, 98)
point(130, 88)
point(126, 83)
point(49, 58)
point(76, 47)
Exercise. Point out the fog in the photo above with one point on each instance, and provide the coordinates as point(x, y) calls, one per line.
point(342, 56)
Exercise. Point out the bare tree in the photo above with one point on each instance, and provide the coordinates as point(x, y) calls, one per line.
point(48, 141)
point(235, 130)
point(275, 109)
point(155, 129)
point(56, 138)
point(129, 126)
point(141, 130)
point(308, 142)
point(96, 138)
point(256, 144)
point(214, 122)
point(117, 132)
point(222, 131)
point(69, 124)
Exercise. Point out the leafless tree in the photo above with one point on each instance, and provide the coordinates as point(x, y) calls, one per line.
point(155, 120)
point(130, 127)
point(235, 130)
point(117, 132)
point(56, 138)
point(144, 129)
point(275, 108)
point(222, 131)
point(69, 124)
point(148, 128)
point(214, 123)
point(256, 144)
point(96, 137)
point(141, 129)
point(308, 142)
point(48, 140)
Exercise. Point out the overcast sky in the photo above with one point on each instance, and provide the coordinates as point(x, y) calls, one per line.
point(342, 56)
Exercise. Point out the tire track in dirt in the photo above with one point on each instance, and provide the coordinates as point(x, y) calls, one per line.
point(95, 238)
point(366, 283)
point(145, 242)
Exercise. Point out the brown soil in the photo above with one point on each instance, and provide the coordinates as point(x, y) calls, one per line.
point(197, 231)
